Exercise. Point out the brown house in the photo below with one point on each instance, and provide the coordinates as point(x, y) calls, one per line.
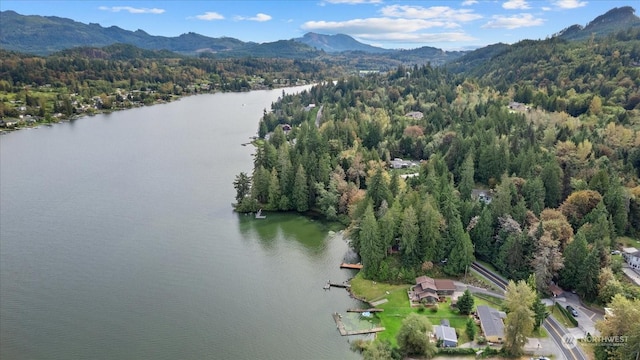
point(431, 289)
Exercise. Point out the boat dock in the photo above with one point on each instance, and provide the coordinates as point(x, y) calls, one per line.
point(330, 284)
point(372, 310)
point(340, 325)
point(350, 266)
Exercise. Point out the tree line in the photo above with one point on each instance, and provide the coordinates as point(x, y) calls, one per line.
point(562, 188)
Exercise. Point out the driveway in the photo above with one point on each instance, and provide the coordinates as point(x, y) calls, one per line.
point(631, 274)
point(586, 317)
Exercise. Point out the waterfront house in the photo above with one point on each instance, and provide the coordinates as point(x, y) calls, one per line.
point(491, 323)
point(430, 289)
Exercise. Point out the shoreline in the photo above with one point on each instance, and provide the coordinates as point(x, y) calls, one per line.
point(22, 124)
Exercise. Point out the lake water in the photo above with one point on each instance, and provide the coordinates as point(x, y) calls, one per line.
point(118, 241)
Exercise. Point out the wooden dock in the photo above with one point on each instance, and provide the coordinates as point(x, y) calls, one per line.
point(343, 285)
point(350, 266)
point(373, 310)
point(340, 325)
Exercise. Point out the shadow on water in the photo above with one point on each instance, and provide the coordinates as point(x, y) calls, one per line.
point(290, 227)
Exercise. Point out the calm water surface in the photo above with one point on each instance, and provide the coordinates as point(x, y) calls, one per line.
point(117, 241)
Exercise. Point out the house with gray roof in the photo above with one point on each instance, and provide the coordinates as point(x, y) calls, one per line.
point(491, 323)
point(446, 334)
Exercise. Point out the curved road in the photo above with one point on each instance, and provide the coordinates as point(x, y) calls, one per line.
point(555, 330)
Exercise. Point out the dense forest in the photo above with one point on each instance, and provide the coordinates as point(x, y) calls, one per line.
point(529, 165)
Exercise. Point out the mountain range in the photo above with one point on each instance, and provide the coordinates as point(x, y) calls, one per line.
point(43, 35)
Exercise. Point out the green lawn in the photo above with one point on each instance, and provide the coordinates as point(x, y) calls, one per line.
point(398, 307)
point(626, 241)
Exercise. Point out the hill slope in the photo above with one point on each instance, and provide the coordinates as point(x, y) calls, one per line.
point(337, 43)
point(43, 35)
point(614, 20)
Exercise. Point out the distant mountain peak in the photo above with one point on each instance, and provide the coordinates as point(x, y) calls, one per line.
point(614, 20)
point(337, 43)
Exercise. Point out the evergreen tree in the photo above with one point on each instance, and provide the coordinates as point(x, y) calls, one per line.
point(587, 286)
point(465, 303)
point(617, 205)
point(371, 248)
point(409, 232)
point(300, 194)
point(378, 190)
point(262, 130)
point(260, 188)
point(574, 257)
point(470, 329)
point(242, 184)
point(552, 179)
point(534, 194)
point(466, 178)
point(461, 254)
point(394, 184)
point(430, 236)
point(274, 191)
point(482, 236)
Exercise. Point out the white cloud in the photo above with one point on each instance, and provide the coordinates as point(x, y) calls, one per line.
point(469, 2)
point(403, 24)
point(417, 37)
point(569, 4)
point(209, 15)
point(260, 17)
point(513, 22)
point(372, 25)
point(516, 4)
point(442, 13)
point(132, 10)
point(546, 8)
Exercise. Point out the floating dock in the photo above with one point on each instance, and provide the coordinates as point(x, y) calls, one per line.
point(340, 325)
point(373, 310)
point(351, 266)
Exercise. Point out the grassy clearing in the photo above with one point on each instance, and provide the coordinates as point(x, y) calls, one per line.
point(626, 241)
point(372, 291)
point(484, 299)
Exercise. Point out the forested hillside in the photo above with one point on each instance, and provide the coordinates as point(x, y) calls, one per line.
point(85, 80)
point(552, 146)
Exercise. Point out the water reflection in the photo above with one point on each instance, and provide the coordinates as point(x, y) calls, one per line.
point(306, 233)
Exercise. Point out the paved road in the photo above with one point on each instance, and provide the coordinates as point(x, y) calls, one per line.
point(587, 318)
point(558, 333)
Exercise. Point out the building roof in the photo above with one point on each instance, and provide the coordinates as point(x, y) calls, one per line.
point(491, 321)
point(555, 290)
point(445, 322)
point(445, 333)
point(426, 282)
point(629, 250)
point(445, 285)
point(426, 294)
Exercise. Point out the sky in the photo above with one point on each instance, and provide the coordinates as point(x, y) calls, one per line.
point(392, 24)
